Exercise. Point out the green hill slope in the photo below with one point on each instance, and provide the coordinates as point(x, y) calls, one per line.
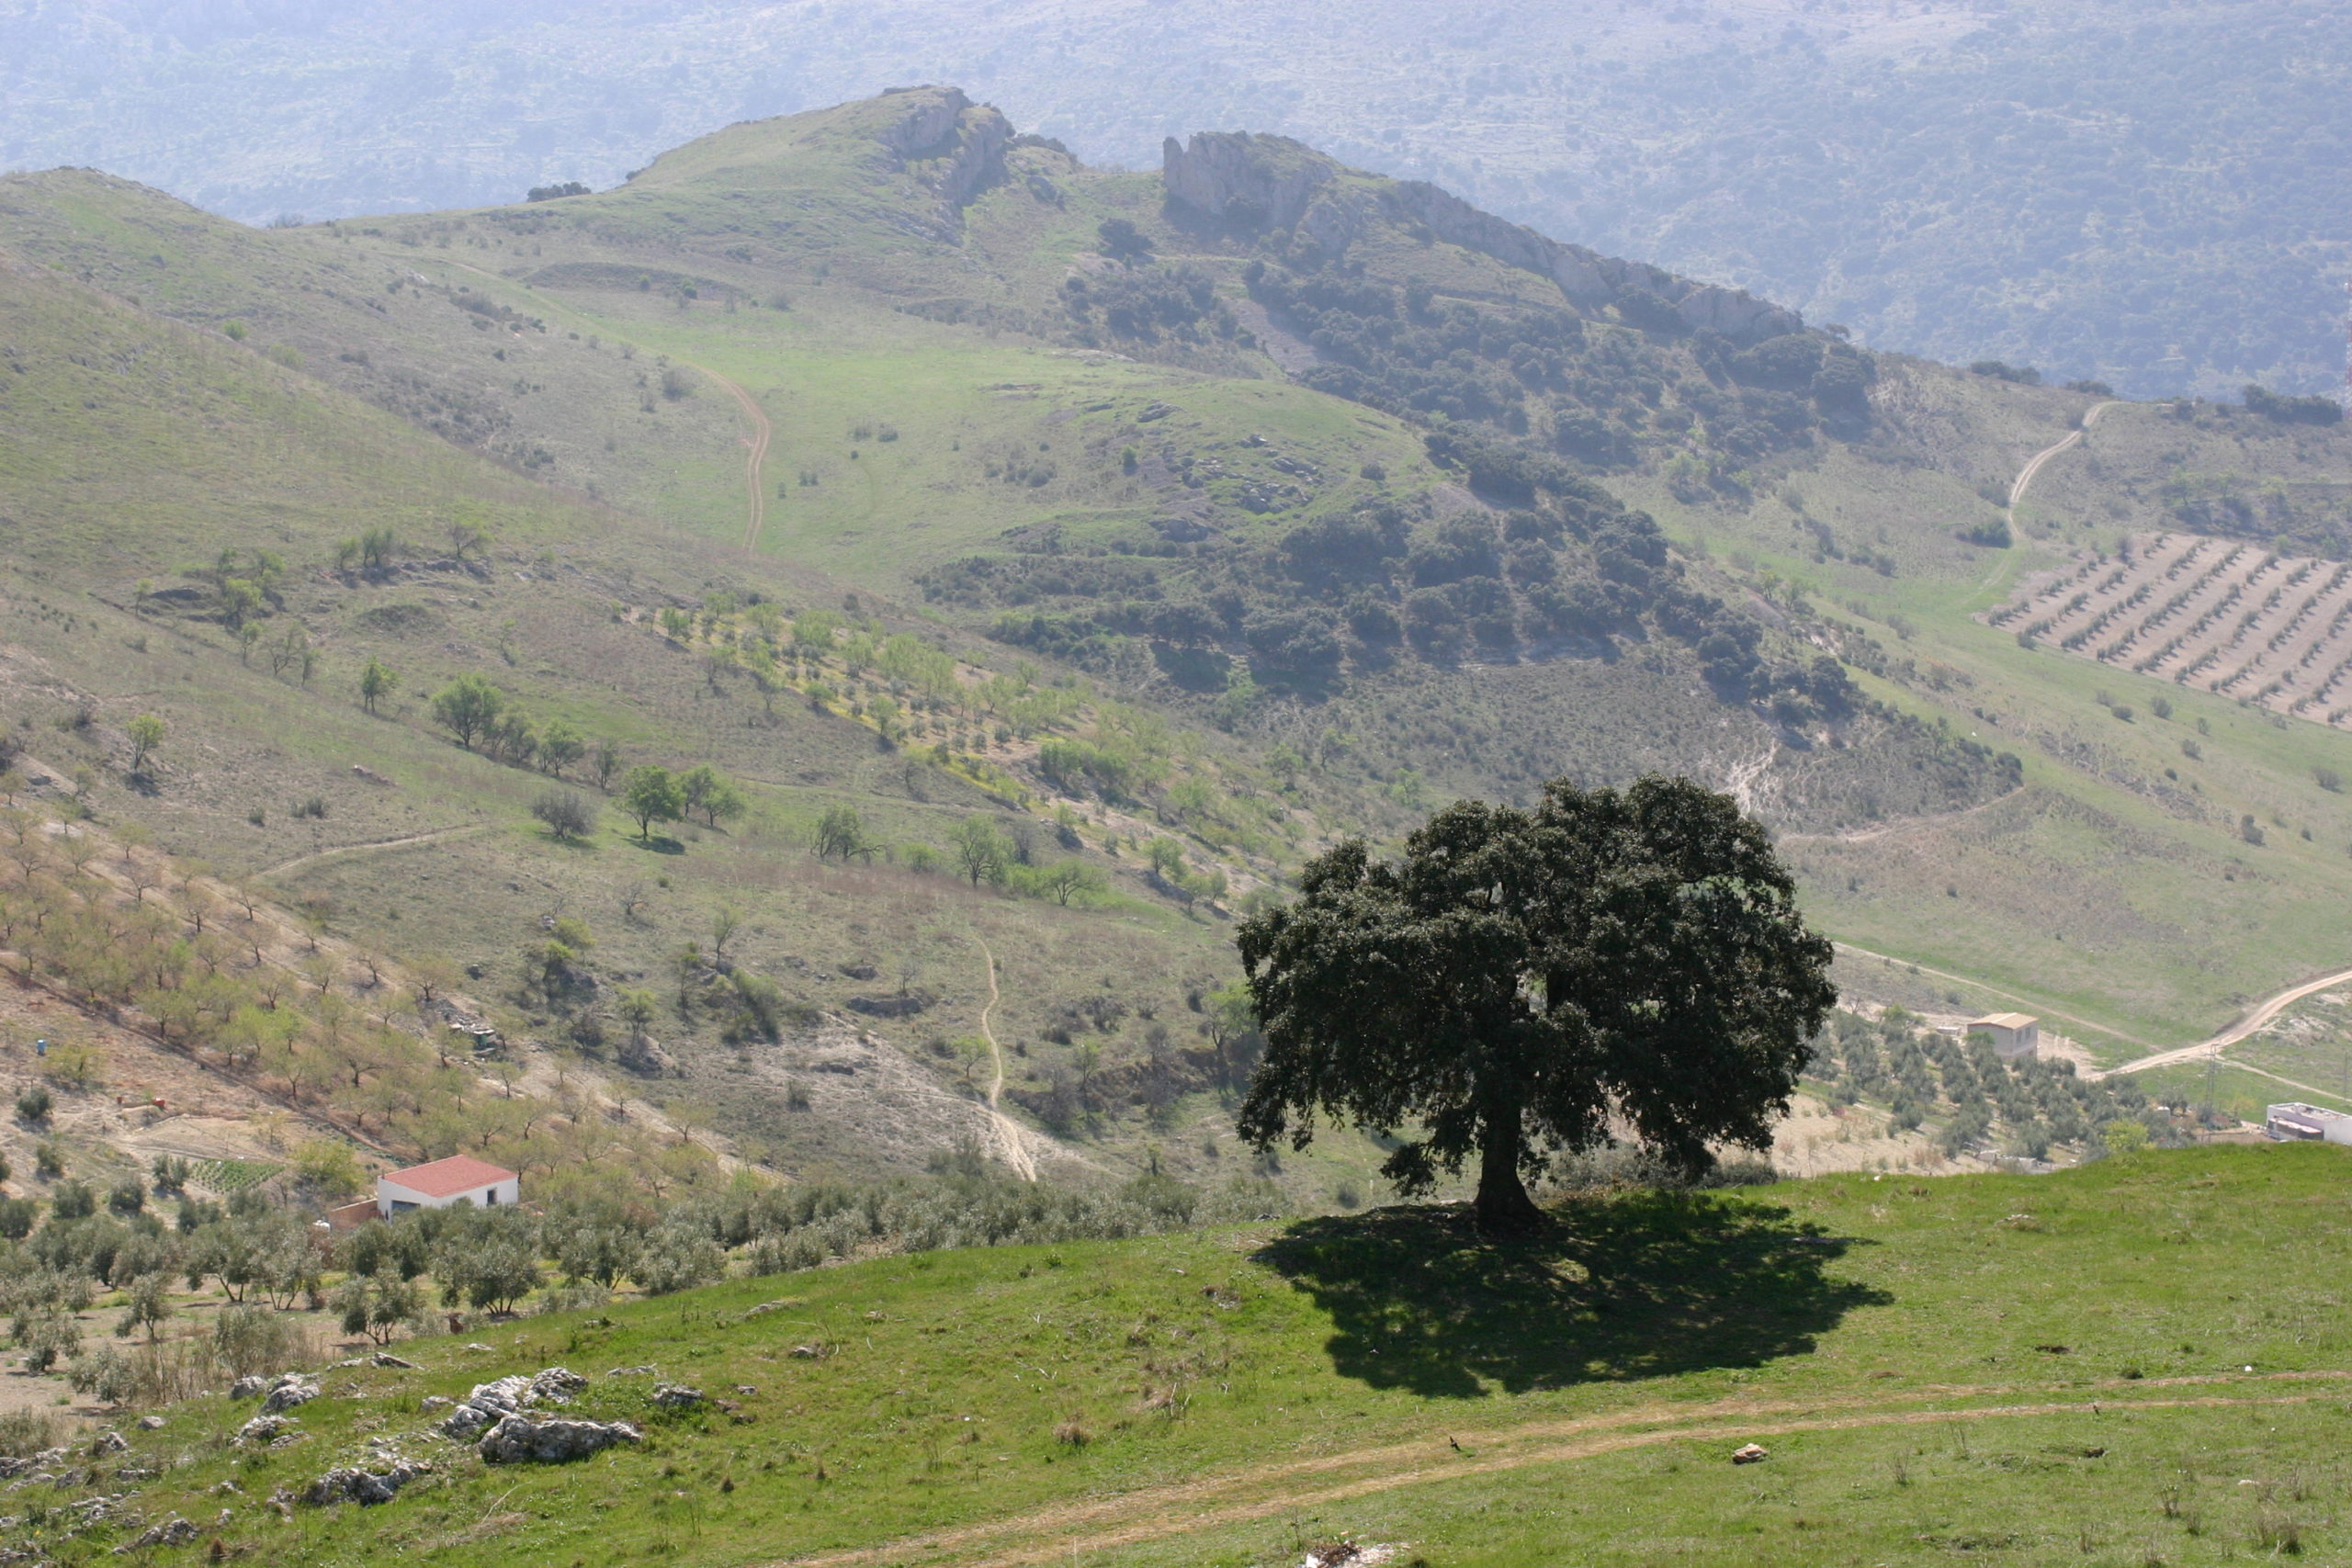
point(1360, 479)
point(145, 467)
point(2018, 1367)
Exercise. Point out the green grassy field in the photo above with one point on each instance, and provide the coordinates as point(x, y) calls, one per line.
point(2138, 1360)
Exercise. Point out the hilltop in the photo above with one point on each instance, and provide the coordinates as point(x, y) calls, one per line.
point(2147, 197)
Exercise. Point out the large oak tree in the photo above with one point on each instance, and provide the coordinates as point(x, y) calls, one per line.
point(1525, 982)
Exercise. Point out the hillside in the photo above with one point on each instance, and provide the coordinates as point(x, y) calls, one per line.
point(2010, 1367)
point(2144, 196)
point(828, 1029)
point(1324, 495)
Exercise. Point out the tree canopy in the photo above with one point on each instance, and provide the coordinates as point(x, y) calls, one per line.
point(1525, 982)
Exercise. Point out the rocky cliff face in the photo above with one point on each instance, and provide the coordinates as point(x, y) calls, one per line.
point(953, 145)
point(1271, 181)
point(1259, 181)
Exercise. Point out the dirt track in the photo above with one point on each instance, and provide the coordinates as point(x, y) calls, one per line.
point(2253, 1023)
point(756, 458)
point(1049, 1535)
point(1009, 1139)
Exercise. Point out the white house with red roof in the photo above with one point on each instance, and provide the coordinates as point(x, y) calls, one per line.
point(442, 1183)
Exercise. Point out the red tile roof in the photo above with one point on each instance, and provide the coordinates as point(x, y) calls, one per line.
point(445, 1178)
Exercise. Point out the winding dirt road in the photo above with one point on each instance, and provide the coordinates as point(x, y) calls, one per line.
point(2034, 465)
point(2253, 1023)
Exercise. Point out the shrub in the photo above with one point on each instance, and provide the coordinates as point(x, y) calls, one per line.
point(2329, 780)
point(72, 1201)
point(676, 1259)
point(35, 1104)
point(566, 814)
point(250, 1340)
point(24, 1433)
point(127, 1196)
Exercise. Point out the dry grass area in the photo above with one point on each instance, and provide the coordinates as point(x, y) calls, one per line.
point(2223, 616)
point(1817, 1139)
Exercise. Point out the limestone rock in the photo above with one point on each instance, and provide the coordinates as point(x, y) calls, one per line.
point(676, 1396)
point(527, 1439)
point(1751, 1454)
point(174, 1532)
point(264, 1428)
point(288, 1392)
point(491, 1402)
point(348, 1483)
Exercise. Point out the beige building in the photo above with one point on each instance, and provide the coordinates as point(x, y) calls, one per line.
point(2015, 1035)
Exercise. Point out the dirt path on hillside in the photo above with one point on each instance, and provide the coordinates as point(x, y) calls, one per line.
point(1050, 1535)
point(1007, 1136)
point(436, 836)
point(2034, 465)
point(2253, 1023)
point(1864, 835)
point(756, 458)
point(2004, 559)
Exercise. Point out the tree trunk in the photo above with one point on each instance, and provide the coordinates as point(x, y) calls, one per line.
point(1503, 1207)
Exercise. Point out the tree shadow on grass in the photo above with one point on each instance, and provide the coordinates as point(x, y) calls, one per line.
point(1640, 1285)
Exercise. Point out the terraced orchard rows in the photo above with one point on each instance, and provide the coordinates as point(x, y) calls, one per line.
point(2220, 615)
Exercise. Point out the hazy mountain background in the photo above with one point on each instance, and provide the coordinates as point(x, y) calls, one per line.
point(2156, 195)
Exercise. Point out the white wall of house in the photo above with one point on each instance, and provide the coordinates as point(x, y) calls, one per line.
point(391, 1198)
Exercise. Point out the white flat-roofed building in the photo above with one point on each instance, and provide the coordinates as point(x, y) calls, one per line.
point(2015, 1034)
point(2310, 1122)
point(442, 1183)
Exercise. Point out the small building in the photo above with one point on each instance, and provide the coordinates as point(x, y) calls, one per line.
point(2311, 1123)
point(2015, 1035)
point(443, 1183)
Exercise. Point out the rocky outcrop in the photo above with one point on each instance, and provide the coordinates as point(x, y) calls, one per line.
point(493, 1402)
point(1262, 182)
point(174, 1532)
point(1271, 181)
point(347, 1483)
point(676, 1396)
point(530, 1439)
point(953, 145)
point(288, 1392)
point(263, 1429)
